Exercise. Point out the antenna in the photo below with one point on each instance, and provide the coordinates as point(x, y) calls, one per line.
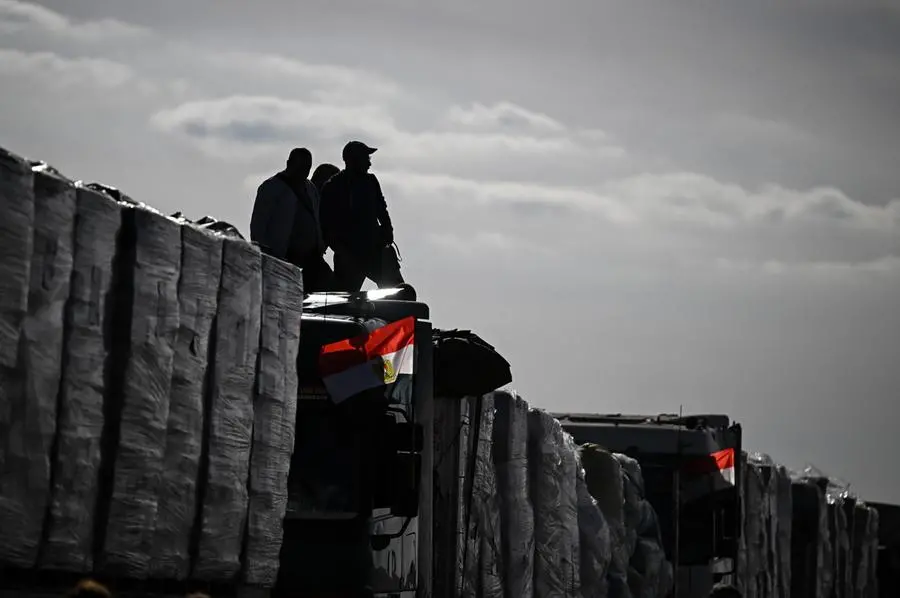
point(677, 501)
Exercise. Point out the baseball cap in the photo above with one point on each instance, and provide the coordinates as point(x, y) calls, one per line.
point(357, 148)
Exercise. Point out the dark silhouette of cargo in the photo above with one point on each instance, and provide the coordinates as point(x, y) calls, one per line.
point(285, 221)
point(357, 226)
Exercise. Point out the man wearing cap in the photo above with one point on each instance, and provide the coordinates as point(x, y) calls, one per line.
point(285, 221)
point(355, 220)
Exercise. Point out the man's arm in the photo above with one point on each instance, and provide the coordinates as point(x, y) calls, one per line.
point(384, 218)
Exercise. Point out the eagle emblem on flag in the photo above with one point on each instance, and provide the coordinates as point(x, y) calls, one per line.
point(376, 358)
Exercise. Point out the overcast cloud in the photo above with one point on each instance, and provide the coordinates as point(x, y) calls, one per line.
point(642, 205)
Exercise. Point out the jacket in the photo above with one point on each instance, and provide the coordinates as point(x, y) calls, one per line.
point(355, 217)
point(275, 225)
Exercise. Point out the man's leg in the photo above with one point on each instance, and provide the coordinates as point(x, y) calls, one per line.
point(317, 276)
point(349, 273)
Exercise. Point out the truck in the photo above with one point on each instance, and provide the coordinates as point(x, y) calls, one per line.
point(166, 427)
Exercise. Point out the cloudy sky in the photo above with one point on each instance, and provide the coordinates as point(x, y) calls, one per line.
point(642, 205)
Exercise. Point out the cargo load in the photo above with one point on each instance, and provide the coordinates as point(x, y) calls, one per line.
point(166, 426)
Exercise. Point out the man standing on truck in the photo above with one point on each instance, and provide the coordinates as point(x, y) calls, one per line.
point(285, 221)
point(356, 223)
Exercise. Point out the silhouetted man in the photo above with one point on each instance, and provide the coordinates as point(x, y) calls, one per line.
point(356, 223)
point(285, 221)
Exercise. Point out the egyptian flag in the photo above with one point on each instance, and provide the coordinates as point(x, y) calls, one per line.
point(384, 357)
point(707, 475)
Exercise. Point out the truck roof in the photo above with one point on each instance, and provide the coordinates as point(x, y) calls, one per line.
point(663, 434)
point(690, 422)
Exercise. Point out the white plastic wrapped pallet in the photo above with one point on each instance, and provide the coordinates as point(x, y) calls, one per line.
point(465, 572)
point(605, 481)
point(481, 550)
point(595, 541)
point(487, 499)
point(230, 425)
point(80, 423)
point(785, 517)
point(839, 527)
point(198, 288)
point(275, 411)
point(16, 245)
point(649, 559)
point(139, 458)
point(649, 574)
point(517, 512)
point(31, 387)
point(555, 506)
point(824, 576)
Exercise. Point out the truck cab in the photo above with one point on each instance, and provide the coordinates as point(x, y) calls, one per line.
point(359, 515)
point(690, 465)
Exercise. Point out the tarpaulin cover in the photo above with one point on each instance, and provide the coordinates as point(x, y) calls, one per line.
point(31, 385)
point(80, 420)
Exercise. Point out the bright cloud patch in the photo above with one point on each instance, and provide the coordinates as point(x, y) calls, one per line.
point(16, 17)
point(59, 72)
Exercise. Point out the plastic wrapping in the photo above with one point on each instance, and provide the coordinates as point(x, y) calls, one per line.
point(649, 559)
point(812, 531)
point(230, 423)
point(148, 294)
point(632, 486)
point(872, 541)
point(595, 542)
point(198, 287)
point(865, 552)
point(553, 493)
point(32, 386)
point(80, 422)
point(481, 553)
point(16, 246)
point(764, 558)
point(486, 494)
point(840, 520)
point(466, 561)
point(517, 513)
point(649, 574)
point(275, 412)
point(784, 509)
point(605, 481)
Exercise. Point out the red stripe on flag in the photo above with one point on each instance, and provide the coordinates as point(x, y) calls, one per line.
point(339, 356)
point(718, 461)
